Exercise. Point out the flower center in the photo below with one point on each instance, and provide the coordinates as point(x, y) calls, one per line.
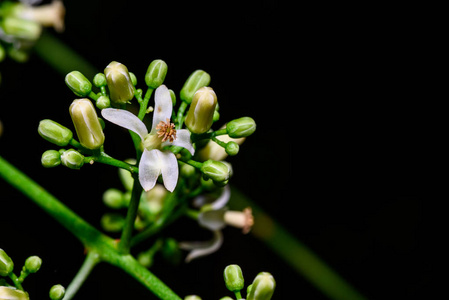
point(166, 131)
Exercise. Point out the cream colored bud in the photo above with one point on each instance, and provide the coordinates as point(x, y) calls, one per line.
point(87, 125)
point(10, 293)
point(120, 85)
point(201, 113)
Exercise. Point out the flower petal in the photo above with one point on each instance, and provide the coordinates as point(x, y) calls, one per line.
point(163, 107)
point(221, 201)
point(182, 140)
point(212, 219)
point(169, 169)
point(126, 120)
point(202, 249)
point(149, 169)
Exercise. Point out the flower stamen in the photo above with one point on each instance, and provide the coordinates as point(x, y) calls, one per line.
point(166, 130)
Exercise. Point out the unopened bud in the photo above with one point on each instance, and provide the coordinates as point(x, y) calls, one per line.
point(20, 28)
point(78, 83)
point(215, 170)
point(33, 264)
point(51, 158)
point(192, 297)
point(6, 264)
point(57, 292)
point(120, 85)
point(112, 222)
point(242, 127)
point(113, 198)
point(72, 159)
point(54, 132)
point(201, 113)
point(10, 293)
point(87, 125)
point(196, 80)
point(263, 287)
point(233, 278)
point(232, 148)
point(157, 70)
point(103, 102)
point(100, 80)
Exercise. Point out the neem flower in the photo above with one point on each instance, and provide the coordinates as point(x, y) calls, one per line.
point(154, 161)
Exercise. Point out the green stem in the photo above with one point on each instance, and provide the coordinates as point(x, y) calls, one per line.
point(237, 295)
point(144, 104)
point(92, 259)
point(106, 159)
point(125, 240)
point(16, 281)
point(180, 116)
point(86, 233)
point(208, 135)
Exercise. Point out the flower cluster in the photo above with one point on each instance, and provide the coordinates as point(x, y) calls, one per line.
point(180, 160)
point(15, 291)
point(21, 25)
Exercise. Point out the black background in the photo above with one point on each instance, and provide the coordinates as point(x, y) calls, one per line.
point(344, 154)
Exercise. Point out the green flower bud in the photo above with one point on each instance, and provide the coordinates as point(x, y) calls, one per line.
point(10, 293)
point(54, 132)
point(201, 113)
point(263, 287)
point(133, 78)
point(112, 222)
point(103, 102)
point(6, 264)
point(57, 292)
point(215, 170)
point(233, 278)
point(20, 28)
point(100, 80)
point(242, 127)
point(196, 80)
point(113, 198)
point(120, 86)
point(51, 158)
point(232, 148)
point(72, 159)
point(87, 125)
point(78, 83)
point(226, 298)
point(33, 264)
point(157, 70)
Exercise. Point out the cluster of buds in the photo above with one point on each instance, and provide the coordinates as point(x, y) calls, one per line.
point(16, 291)
point(262, 287)
point(21, 26)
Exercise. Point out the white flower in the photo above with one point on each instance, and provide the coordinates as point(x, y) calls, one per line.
point(154, 161)
point(49, 15)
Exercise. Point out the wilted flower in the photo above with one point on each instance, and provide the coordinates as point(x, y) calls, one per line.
point(48, 15)
point(154, 161)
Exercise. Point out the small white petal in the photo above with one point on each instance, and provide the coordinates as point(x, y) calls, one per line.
point(169, 169)
point(126, 120)
point(212, 219)
point(205, 248)
point(149, 169)
point(163, 107)
point(223, 199)
point(182, 140)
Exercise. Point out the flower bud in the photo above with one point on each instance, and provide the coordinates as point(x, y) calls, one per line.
point(10, 293)
point(87, 125)
point(33, 264)
point(120, 86)
point(201, 113)
point(78, 83)
point(263, 287)
point(196, 80)
point(215, 170)
point(113, 198)
point(6, 264)
point(233, 278)
point(157, 70)
point(100, 80)
point(103, 102)
point(112, 222)
point(57, 292)
point(51, 158)
point(232, 148)
point(192, 297)
point(226, 298)
point(242, 127)
point(20, 28)
point(54, 132)
point(72, 159)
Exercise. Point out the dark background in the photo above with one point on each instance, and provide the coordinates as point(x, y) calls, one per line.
point(344, 154)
